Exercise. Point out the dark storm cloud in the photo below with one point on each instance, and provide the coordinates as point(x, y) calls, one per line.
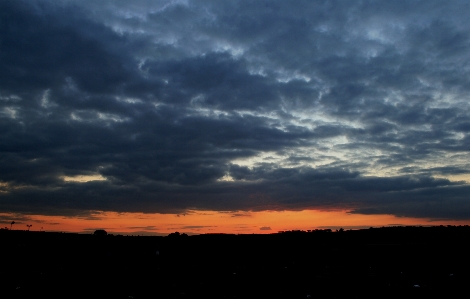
point(43, 44)
point(164, 106)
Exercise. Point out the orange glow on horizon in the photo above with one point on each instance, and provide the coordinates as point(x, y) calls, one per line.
point(200, 222)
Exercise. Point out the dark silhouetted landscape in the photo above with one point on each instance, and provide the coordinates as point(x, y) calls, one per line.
point(390, 262)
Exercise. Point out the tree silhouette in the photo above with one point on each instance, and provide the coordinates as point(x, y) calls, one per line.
point(11, 224)
point(100, 232)
point(29, 226)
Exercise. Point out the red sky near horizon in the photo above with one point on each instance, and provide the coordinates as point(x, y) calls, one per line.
point(174, 106)
point(200, 222)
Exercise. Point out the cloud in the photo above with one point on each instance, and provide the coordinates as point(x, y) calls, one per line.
point(234, 107)
point(265, 228)
point(240, 215)
point(144, 228)
point(196, 226)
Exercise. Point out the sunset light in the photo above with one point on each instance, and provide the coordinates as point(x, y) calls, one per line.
point(238, 117)
point(203, 222)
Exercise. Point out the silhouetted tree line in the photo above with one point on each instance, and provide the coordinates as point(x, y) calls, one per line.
point(389, 262)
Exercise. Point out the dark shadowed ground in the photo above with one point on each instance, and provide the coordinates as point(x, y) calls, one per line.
point(414, 262)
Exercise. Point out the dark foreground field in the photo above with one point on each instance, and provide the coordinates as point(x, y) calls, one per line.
point(410, 262)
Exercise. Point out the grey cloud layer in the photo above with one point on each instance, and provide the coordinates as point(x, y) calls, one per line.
point(235, 106)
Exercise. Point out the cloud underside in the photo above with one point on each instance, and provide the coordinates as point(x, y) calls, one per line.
point(268, 105)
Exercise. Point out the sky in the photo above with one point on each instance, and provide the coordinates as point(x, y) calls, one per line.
point(149, 117)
